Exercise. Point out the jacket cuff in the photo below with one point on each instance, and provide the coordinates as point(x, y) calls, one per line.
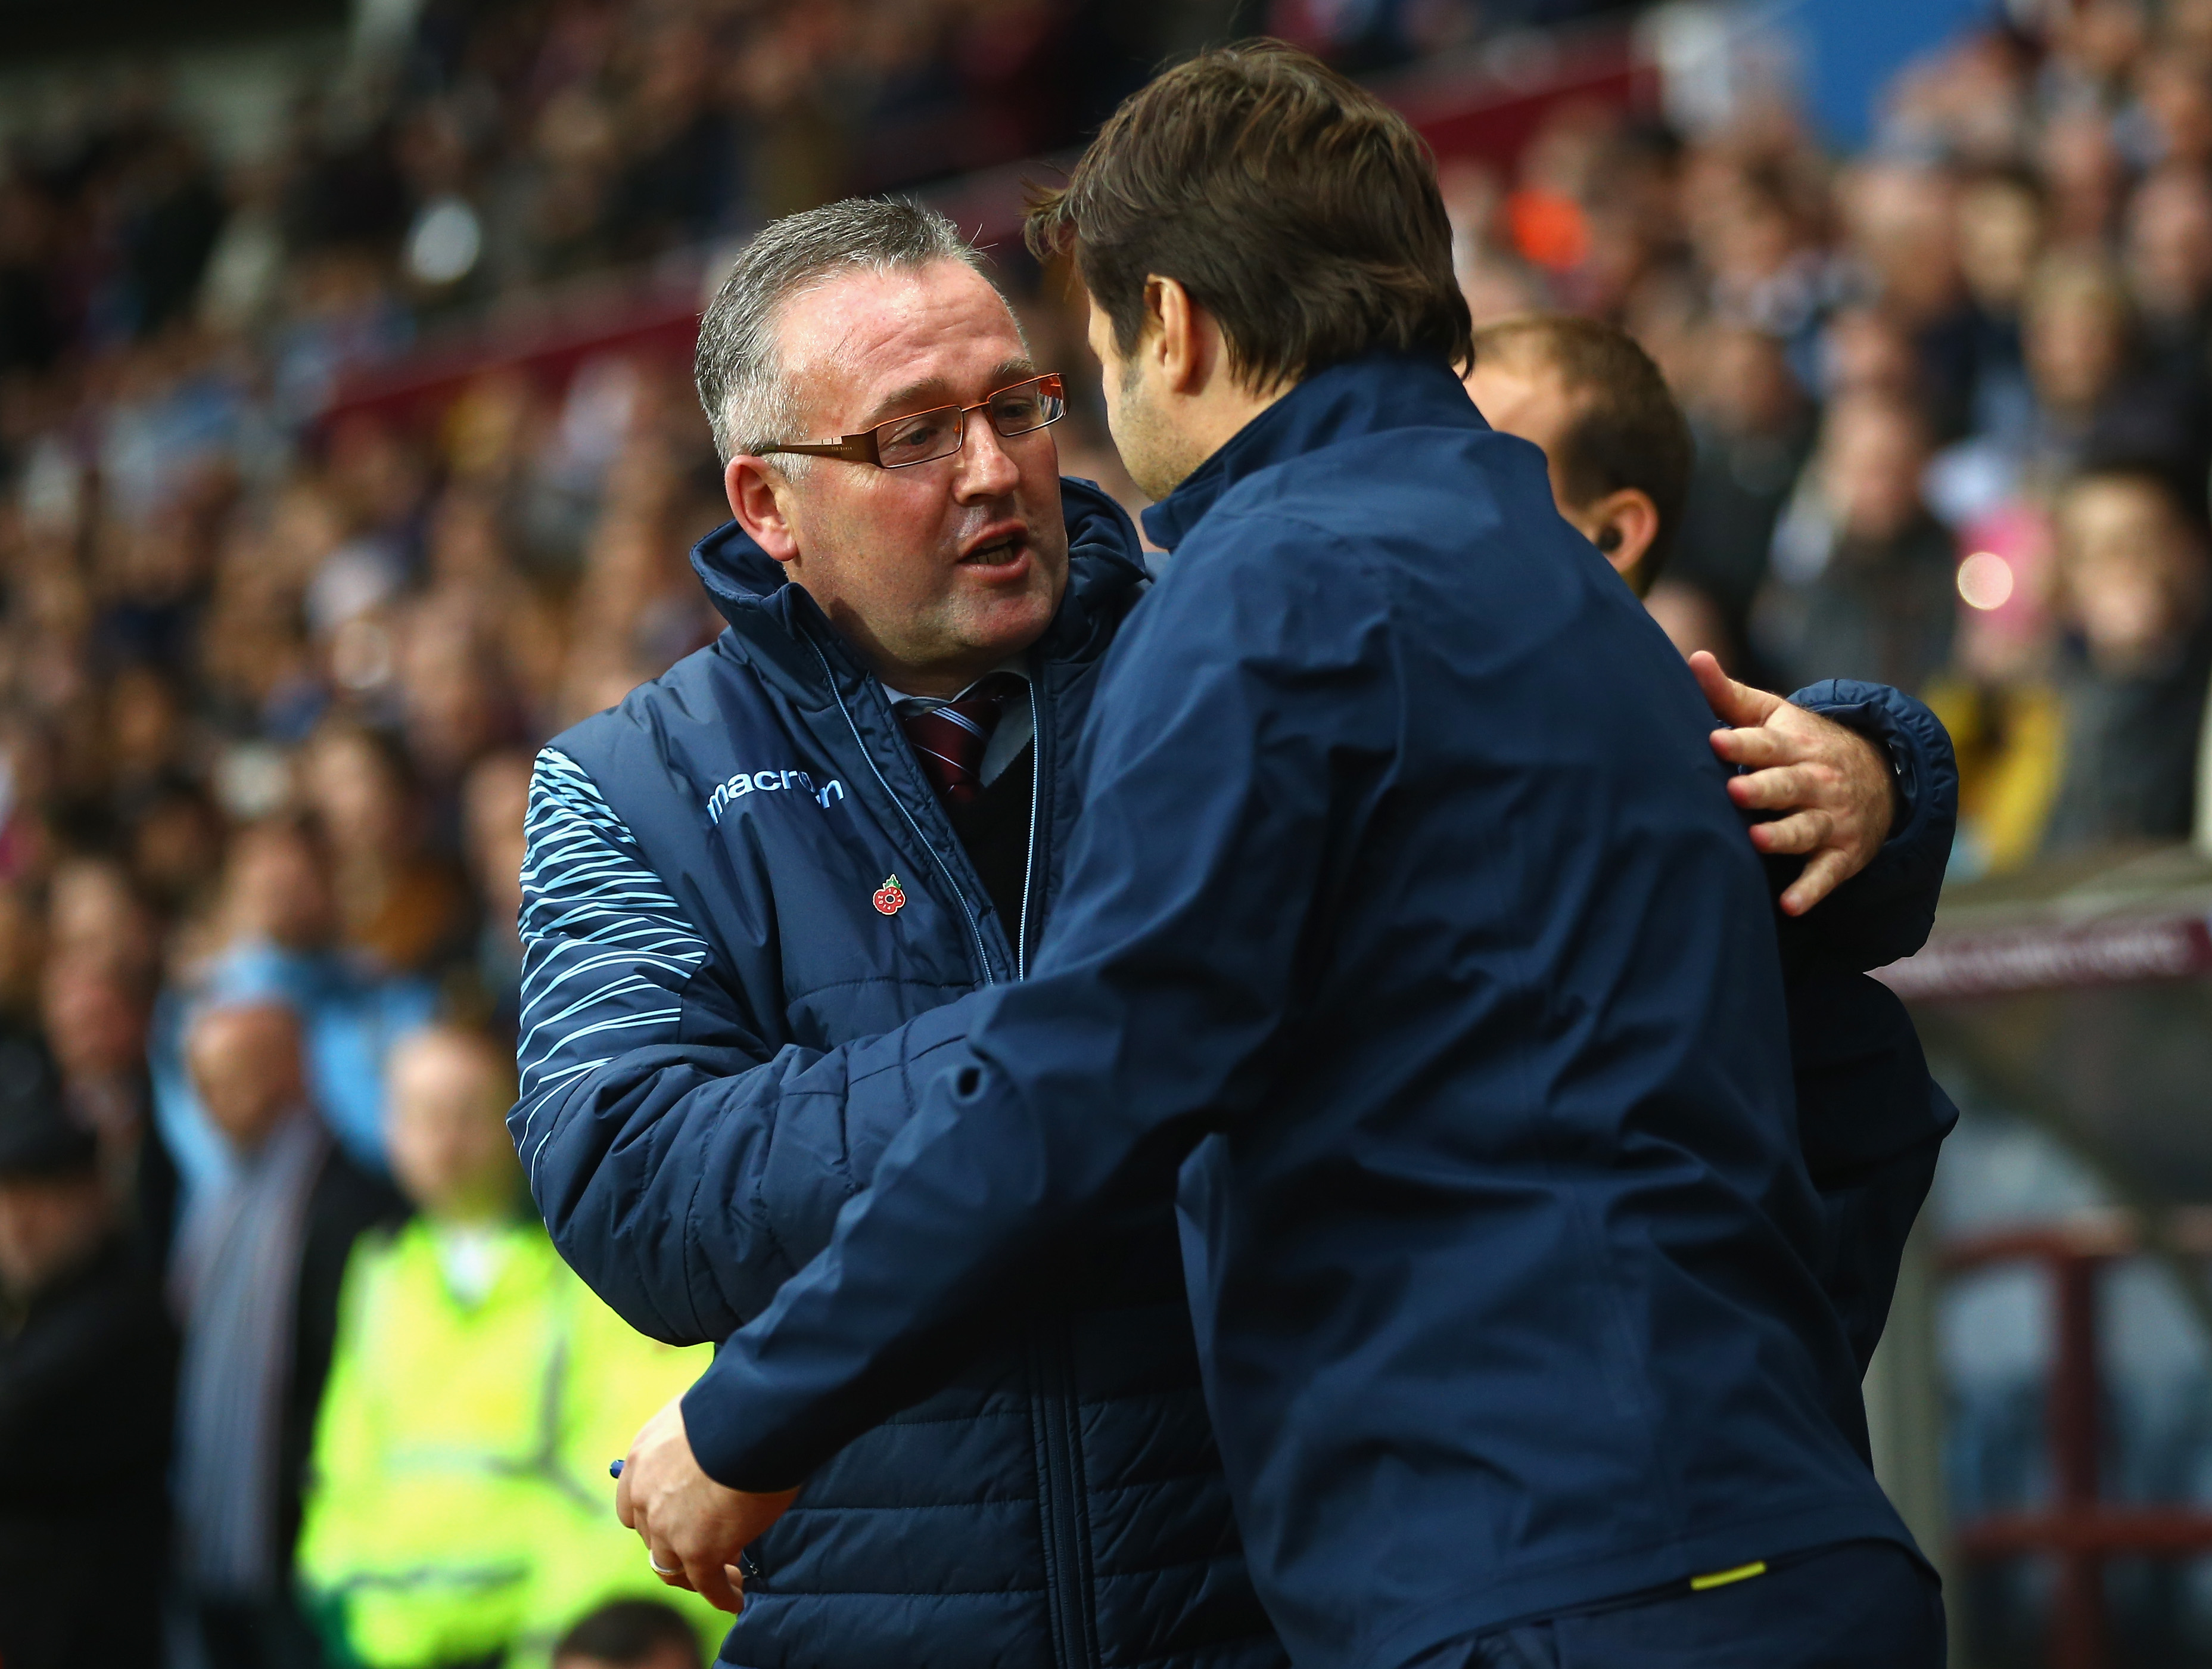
point(718, 1434)
point(1885, 911)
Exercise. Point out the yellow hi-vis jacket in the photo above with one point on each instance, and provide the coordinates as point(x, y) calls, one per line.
point(458, 1503)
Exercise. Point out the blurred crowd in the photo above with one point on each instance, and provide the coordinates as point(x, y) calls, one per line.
point(1952, 395)
point(271, 676)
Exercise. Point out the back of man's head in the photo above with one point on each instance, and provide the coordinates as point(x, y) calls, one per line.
point(1297, 209)
point(629, 1634)
point(1618, 427)
point(743, 383)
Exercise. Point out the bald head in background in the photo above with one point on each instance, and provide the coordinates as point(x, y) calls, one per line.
point(247, 1063)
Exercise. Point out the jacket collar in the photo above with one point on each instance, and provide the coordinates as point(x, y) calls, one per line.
point(1105, 568)
point(1363, 396)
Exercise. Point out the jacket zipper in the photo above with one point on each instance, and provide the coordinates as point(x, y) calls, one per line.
point(1028, 867)
point(1070, 1585)
point(952, 880)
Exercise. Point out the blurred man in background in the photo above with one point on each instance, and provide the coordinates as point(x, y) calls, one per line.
point(456, 1512)
point(2135, 585)
point(1862, 579)
point(88, 1375)
point(629, 1634)
point(260, 1259)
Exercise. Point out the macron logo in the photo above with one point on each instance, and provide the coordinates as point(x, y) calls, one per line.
point(769, 781)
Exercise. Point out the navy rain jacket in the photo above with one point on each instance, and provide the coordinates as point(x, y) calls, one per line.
point(1408, 908)
point(721, 1030)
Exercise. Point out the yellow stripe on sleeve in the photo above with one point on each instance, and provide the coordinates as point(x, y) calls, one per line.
point(1721, 1579)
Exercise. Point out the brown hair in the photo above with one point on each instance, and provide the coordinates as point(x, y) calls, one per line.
point(1297, 209)
point(1628, 430)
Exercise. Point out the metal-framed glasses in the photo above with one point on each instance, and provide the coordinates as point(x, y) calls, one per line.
point(924, 436)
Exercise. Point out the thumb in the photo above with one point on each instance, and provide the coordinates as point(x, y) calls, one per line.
point(1732, 703)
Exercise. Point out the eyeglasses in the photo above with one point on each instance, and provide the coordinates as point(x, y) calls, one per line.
point(1021, 409)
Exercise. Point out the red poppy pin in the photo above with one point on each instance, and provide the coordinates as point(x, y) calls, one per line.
point(891, 897)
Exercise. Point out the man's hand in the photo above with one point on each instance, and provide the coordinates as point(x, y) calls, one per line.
point(1833, 790)
point(693, 1528)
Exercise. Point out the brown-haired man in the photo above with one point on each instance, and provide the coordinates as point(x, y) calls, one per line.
point(1409, 908)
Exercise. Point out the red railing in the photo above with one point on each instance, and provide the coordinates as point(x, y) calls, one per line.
point(2078, 1528)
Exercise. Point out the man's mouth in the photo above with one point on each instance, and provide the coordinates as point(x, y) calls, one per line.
point(999, 550)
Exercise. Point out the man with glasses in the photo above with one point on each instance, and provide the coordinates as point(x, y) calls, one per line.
point(765, 894)
point(754, 893)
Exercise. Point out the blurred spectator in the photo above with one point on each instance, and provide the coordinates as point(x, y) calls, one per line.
point(497, 799)
point(97, 1022)
point(87, 1376)
point(2135, 578)
point(1862, 580)
point(1997, 699)
point(460, 1510)
point(276, 940)
point(258, 1265)
point(629, 1634)
point(399, 909)
point(1754, 427)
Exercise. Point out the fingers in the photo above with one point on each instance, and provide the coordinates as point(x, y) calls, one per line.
point(1806, 831)
point(1788, 789)
point(1827, 871)
point(670, 1567)
point(624, 1509)
point(1761, 746)
point(1732, 703)
point(718, 1584)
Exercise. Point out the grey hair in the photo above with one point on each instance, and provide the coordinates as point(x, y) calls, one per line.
point(741, 380)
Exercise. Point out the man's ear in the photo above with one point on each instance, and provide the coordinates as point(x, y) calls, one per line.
point(1622, 525)
point(756, 490)
point(1179, 334)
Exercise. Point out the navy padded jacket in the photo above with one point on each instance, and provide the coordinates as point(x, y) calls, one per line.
point(1408, 919)
point(720, 1032)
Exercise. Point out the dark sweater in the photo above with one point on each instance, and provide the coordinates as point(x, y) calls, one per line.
point(87, 1379)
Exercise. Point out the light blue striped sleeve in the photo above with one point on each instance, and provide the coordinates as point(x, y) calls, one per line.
point(606, 948)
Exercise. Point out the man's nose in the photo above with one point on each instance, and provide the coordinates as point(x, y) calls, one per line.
point(982, 468)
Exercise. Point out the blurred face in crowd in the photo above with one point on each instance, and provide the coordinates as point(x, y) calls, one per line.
point(497, 799)
point(2170, 243)
point(48, 1226)
point(1873, 451)
point(447, 1129)
point(2000, 229)
point(362, 804)
point(2132, 571)
point(937, 571)
point(245, 1064)
point(278, 888)
point(95, 1019)
point(1744, 383)
point(95, 916)
point(2075, 336)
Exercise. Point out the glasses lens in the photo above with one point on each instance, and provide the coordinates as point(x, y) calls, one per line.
point(1027, 405)
point(918, 439)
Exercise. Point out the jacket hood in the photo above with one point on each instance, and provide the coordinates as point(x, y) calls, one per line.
point(1105, 567)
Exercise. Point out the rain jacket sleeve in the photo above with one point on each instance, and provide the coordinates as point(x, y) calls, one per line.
point(683, 1167)
point(1218, 807)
